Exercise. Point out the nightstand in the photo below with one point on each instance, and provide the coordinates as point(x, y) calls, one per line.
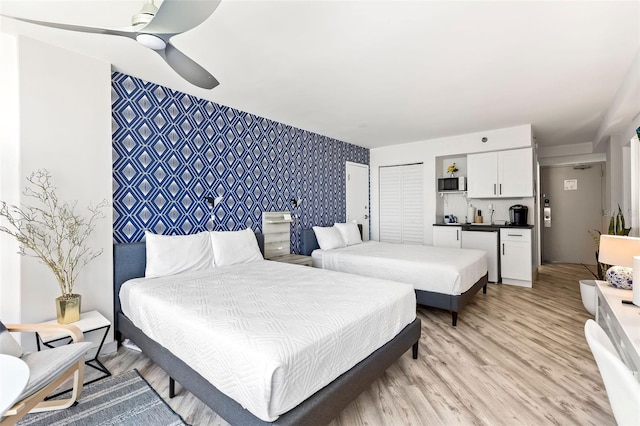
point(89, 322)
point(296, 259)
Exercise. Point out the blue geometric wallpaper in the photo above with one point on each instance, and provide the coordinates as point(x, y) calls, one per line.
point(171, 150)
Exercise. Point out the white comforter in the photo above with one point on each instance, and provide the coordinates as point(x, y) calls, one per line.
point(441, 270)
point(268, 334)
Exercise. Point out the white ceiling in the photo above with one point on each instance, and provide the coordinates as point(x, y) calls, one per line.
point(378, 73)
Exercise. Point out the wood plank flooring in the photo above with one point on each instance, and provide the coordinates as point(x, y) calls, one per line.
point(517, 357)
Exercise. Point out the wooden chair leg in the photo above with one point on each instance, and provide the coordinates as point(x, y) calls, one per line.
point(35, 403)
point(60, 404)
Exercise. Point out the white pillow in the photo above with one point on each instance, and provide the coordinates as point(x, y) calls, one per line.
point(328, 237)
point(172, 254)
point(349, 232)
point(231, 247)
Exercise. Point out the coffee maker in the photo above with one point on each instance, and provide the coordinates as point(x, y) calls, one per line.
point(518, 214)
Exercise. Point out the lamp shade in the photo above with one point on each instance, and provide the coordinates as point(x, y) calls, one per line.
point(618, 250)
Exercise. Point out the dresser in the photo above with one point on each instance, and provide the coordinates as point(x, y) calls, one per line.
point(621, 322)
point(276, 228)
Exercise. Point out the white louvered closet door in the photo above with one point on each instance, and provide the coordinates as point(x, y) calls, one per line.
point(401, 204)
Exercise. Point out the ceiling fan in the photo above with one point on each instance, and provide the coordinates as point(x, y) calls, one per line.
point(153, 27)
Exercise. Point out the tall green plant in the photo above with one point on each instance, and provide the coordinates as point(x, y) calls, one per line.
point(616, 227)
point(617, 224)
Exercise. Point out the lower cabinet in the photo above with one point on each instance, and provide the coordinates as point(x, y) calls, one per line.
point(447, 236)
point(516, 256)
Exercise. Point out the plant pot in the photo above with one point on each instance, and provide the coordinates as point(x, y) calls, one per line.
point(68, 308)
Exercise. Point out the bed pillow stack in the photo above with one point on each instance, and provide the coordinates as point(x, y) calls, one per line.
point(328, 237)
point(349, 232)
point(337, 236)
point(232, 247)
point(173, 254)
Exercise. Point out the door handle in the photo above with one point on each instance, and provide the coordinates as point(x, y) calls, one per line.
point(547, 217)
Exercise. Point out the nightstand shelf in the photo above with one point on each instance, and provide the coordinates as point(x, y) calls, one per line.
point(295, 259)
point(89, 322)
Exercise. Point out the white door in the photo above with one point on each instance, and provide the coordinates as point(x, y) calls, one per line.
point(401, 204)
point(358, 196)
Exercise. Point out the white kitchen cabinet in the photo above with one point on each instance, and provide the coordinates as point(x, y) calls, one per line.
point(447, 236)
point(500, 174)
point(482, 175)
point(488, 242)
point(516, 256)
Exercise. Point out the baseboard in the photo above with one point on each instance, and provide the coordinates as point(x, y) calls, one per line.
point(519, 283)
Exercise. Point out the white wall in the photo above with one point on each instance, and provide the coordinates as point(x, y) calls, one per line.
point(10, 308)
point(561, 155)
point(427, 151)
point(64, 115)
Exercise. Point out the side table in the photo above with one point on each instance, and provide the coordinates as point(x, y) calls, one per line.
point(296, 259)
point(89, 322)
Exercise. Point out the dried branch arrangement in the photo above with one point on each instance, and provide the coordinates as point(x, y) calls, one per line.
point(51, 230)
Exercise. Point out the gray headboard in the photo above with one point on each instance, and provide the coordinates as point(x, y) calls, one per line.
point(130, 261)
point(309, 243)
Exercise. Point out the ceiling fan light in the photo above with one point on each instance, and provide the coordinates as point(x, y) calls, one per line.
point(151, 41)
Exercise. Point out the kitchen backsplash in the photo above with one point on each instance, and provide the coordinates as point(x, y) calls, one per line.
point(457, 204)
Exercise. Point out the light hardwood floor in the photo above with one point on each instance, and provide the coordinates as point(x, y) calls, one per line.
point(517, 357)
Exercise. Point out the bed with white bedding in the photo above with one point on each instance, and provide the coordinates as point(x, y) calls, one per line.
point(279, 339)
point(442, 277)
point(265, 342)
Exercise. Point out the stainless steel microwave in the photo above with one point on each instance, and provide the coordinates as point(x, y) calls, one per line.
point(452, 184)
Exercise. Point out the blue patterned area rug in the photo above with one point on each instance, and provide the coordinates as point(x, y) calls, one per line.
point(126, 399)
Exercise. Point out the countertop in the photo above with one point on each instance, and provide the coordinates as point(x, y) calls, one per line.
point(483, 227)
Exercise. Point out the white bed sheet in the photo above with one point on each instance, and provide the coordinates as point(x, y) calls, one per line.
point(437, 269)
point(269, 334)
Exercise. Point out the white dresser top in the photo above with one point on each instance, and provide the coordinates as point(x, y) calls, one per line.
point(626, 316)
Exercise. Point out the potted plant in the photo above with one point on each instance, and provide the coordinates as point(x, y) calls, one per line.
point(452, 169)
point(616, 227)
point(52, 231)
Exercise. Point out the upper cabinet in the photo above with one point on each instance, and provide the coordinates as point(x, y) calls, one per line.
point(500, 174)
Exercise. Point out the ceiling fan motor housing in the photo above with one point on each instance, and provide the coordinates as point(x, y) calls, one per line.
point(145, 15)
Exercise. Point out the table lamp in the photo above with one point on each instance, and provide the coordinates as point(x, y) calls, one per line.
point(619, 251)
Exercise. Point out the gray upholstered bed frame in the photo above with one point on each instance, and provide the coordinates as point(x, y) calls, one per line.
point(319, 409)
point(309, 243)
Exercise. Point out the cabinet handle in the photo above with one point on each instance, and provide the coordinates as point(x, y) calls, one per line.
point(457, 235)
point(494, 189)
point(503, 248)
point(515, 235)
point(500, 189)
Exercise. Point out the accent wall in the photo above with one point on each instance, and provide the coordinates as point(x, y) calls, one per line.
point(171, 150)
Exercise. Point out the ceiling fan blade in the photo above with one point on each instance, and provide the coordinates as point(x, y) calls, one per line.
point(178, 16)
point(187, 68)
point(78, 28)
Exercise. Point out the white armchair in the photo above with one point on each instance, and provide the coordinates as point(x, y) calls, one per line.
point(48, 369)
